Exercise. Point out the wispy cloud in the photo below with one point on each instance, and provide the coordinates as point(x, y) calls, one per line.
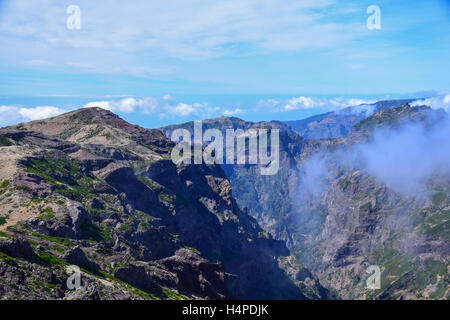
point(238, 46)
point(15, 114)
point(40, 112)
point(37, 62)
point(194, 30)
point(127, 105)
point(403, 159)
point(233, 112)
point(162, 107)
point(439, 101)
point(165, 106)
point(307, 102)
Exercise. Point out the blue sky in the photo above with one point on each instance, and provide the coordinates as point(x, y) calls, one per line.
point(161, 62)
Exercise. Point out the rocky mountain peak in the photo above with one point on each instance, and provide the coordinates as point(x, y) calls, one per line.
point(101, 127)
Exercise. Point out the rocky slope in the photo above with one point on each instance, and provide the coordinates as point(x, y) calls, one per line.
point(369, 222)
point(87, 188)
point(338, 223)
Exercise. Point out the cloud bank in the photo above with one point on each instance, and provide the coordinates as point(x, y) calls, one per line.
point(165, 106)
point(189, 30)
point(439, 101)
point(233, 112)
point(403, 159)
point(15, 114)
point(310, 102)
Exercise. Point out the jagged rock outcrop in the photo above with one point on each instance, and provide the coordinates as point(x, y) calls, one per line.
point(76, 256)
point(18, 247)
point(137, 277)
point(69, 221)
point(189, 272)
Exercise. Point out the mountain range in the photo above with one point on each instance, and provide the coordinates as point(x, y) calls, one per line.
point(338, 123)
point(87, 188)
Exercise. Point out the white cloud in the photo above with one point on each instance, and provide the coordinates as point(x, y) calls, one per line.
point(164, 106)
point(305, 103)
point(404, 159)
point(40, 112)
point(126, 105)
point(350, 102)
point(439, 101)
point(302, 103)
point(368, 109)
point(167, 97)
point(233, 112)
point(37, 62)
point(196, 29)
point(202, 110)
point(183, 109)
point(9, 115)
point(14, 114)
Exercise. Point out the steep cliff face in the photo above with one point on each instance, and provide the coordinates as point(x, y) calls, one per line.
point(369, 220)
point(338, 217)
point(369, 224)
point(89, 189)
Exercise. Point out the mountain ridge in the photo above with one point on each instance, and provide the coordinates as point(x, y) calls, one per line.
point(338, 231)
point(126, 208)
point(337, 124)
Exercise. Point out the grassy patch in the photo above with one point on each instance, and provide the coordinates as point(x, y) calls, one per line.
point(192, 249)
point(173, 295)
point(126, 227)
point(97, 233)
point(24, 188)
point(4, 141)
point(366, 207)
point(144, 225)
point(93, 133)
point(139, 292)
point(438, 198)
point(59, 249)
point(438, 225)
point(163, 197)
point(64, 241)
point(50, 258)
point(5, 257)
point(33, 243)
point(144, 220)
point(147, 182)
point(83, 116)
point(344, 183)
point(4, 184)
point(4, 235)
point(47, 213)
point(64, 174)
